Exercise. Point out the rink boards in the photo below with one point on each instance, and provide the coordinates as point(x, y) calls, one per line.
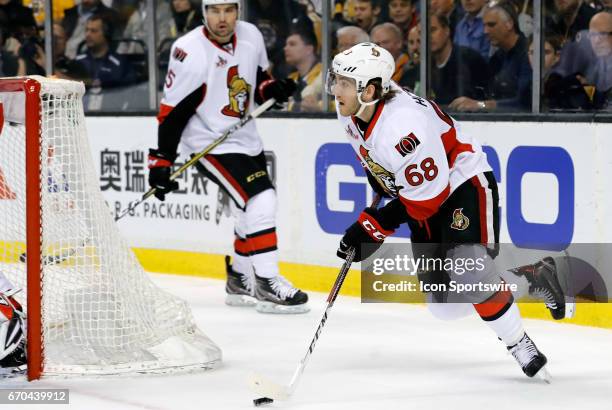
point(554, 182)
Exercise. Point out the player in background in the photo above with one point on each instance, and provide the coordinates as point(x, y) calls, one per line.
point(12, 330)
point(440, 184)
point(217, 72)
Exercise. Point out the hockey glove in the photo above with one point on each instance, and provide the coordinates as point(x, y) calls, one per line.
point(160, 169)
point(367, 230)
point(280, 90)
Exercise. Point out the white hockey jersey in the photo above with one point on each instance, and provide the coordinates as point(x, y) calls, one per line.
point(417, 152)
point(221, 82)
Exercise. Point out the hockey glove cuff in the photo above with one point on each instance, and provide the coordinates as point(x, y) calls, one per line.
point(280, 90)
point(160, 169)
point(367, 230)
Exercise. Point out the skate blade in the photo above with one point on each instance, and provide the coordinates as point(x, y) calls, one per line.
point(267, 388)
point(240, 300)
point(270, 307)
point(544, 375)
point(11, 372)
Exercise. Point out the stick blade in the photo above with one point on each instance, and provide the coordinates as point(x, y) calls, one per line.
point(267, 388)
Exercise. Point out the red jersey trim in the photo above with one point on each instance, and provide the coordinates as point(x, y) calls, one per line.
point(496, 305)
point(216, 43)
point(265, 241)
point(228, 176)
point(453, 147)
point(373, 121)
point(241, 246)
point(482, 208)
point(421, 210)
point(164, 110)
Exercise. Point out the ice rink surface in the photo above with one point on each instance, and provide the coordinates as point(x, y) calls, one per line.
point(370, 356)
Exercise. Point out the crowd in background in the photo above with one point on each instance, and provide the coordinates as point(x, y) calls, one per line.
point(481, 52)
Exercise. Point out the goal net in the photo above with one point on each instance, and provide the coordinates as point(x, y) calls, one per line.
point(91, 308)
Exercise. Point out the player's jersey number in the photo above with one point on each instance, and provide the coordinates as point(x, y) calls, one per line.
point(170, 78)
point(425, 171)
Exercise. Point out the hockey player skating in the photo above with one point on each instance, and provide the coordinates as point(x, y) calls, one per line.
point(217, 72)
point(441, 185)
point(12, 331)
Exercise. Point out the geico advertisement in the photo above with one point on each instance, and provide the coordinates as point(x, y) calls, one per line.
point(552, 185)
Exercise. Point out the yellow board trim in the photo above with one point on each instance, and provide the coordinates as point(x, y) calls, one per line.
point(321, 278)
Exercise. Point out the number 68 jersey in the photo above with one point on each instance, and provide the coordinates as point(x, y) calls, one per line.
point(209, 87)
point(416, 152)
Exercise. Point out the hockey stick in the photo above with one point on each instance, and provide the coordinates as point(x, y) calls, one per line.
point(268, 388)
point(62, 256)
point(195, 158)
point(54, 259)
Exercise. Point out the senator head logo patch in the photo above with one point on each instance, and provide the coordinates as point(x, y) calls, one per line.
point(407, 145)
point(239, 92)
point(460, 221)
point(385, 178)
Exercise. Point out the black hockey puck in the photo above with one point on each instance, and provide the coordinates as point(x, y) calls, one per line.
point(262, 400)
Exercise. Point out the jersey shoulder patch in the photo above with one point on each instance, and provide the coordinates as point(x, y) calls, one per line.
point(187, 45)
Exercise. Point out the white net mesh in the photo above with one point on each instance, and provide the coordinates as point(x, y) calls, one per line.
point(101, 313)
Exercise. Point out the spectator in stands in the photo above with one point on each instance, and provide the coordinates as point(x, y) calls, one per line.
point(570, 17)
point(600, 33)
point(606, 5)
point(104, 67)
point(20, 20)
point(274, 23)
point(349, 36)
point(124, 9)
point(136, 27)
point(389, 37)
point(470, 29)
point(414, 44)
point(367, 13)
point(75, 20)
point(402, 13)
point(11, 64)
point(186, 15)
point(447, 8)
point(63, 67)
point(509, 69)
point(22, 36)
point(524, 10)
point(456, 70)
point(552, 53)
point(583, 77)
point(38, 9)
point(410, 78)
point(300, 53)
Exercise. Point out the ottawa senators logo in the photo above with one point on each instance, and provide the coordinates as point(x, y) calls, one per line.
point(384, 177)
point(239, 91)
point(460, 221)
point(407, 144)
